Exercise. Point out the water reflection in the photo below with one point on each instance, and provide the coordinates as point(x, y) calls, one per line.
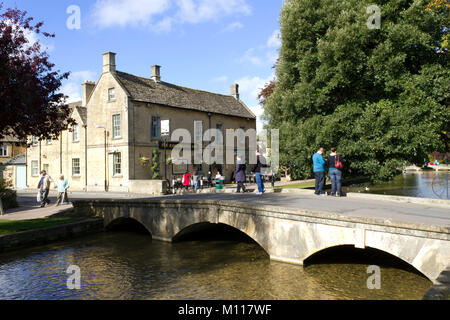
point(124, 265)
point(427, 184)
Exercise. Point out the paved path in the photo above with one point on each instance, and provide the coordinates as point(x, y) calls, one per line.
point(402, 212)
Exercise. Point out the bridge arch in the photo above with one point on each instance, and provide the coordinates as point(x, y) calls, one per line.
point(286, 234)
point(370, 256)
point(201, 226)
point(127, 223)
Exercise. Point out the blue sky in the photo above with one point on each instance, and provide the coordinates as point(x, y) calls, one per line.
point(202, 44)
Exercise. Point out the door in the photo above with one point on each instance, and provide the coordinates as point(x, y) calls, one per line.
point(21, 177)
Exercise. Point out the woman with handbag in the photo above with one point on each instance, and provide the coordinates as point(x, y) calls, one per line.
point(335, 166)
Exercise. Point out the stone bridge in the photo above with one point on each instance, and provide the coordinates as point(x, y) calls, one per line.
point(287, 234)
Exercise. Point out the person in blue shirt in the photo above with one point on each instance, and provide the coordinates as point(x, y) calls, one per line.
point(319, 172)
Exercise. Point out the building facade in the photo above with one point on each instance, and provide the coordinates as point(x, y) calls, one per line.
point(12, 162)
point(119, 123)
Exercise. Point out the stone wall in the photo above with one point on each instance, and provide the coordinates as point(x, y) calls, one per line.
point(36, 237)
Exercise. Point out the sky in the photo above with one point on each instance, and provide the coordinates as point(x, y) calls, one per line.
point(200, 44)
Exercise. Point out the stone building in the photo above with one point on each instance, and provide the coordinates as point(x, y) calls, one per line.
point(12, 161)
point(119, 124)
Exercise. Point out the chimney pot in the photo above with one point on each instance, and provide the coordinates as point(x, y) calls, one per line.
point(109, 62)
point(156, 73)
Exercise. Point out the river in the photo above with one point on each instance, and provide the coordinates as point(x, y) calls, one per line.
point(219, 264)
point(427, 184)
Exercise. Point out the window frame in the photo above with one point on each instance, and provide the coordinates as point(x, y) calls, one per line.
point(4, 151)
point(34, 168)
point(34, 141)
point(76, 133)
point(74, 174)
point(111, 97)
point(158, 128)
point(117, 165)
point(114, 126)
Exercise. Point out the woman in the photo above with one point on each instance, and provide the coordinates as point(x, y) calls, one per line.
point(257, 171)
point(240, 175)
point(335, 173)
point(186, 179)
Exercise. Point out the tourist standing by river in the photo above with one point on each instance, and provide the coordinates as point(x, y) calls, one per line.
point(257, 171)
point(319, 172)
point(335, 166)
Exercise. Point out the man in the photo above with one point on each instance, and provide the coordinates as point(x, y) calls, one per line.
point(63, 185)
point(319, 172)
point(44, 186)
point(257, 171)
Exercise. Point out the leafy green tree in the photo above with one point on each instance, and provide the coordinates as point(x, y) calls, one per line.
point(156, 165)
point(381, 96)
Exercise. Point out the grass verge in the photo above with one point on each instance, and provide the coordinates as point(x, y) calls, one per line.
point(8, 227)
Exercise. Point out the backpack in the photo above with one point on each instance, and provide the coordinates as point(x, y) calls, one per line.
point(337, 163)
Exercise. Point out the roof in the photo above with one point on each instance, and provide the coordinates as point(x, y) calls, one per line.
point(17, 160)
point(11, 139)
point(83, 114)
point(163, 93)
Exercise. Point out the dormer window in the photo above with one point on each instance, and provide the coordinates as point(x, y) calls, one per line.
point(111, 94)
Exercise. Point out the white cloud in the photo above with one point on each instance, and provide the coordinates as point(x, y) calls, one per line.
point(108, 13)
point(72, 87)
point(233, 27)
point(249, 88)
point(161, 15)
point(274, 40)
point(266, 54)
point(222, 79)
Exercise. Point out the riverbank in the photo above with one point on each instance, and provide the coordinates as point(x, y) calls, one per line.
point(40, 236)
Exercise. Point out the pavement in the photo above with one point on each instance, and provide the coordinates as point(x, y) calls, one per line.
point(345, 206)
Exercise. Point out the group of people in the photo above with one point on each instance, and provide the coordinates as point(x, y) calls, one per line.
point(240, 174)
point(335, 164)
point(44, 188)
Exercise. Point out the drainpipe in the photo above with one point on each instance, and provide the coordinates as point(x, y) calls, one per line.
point(60, 152)
point(85, 158)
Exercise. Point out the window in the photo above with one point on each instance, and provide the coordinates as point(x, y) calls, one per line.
point(76, 167)
point(35, 141)
point(116, 126)
point(49, 141)
point(3, 151)
point(156, 128)
point(75, 133)
point(34, 168)
point(117, 164)
point(219, 127)
point(111, 94)
point(46, 168)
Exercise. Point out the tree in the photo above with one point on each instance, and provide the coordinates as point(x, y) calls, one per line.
point(380, 96)
point(155, 166)
point(29, 100)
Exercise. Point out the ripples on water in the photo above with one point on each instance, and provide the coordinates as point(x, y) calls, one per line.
point(124, 265)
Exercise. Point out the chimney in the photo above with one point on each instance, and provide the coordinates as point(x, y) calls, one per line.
point(235, 91)
point(109, 62)
point(156, 73)
point(86, 89)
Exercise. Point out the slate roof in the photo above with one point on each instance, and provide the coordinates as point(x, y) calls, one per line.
point(19, 159)
point(83, 114)
point(163, 93)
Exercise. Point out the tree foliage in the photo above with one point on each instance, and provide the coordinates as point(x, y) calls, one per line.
point(381, 96)
point(29, 100)
point(155, 165)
